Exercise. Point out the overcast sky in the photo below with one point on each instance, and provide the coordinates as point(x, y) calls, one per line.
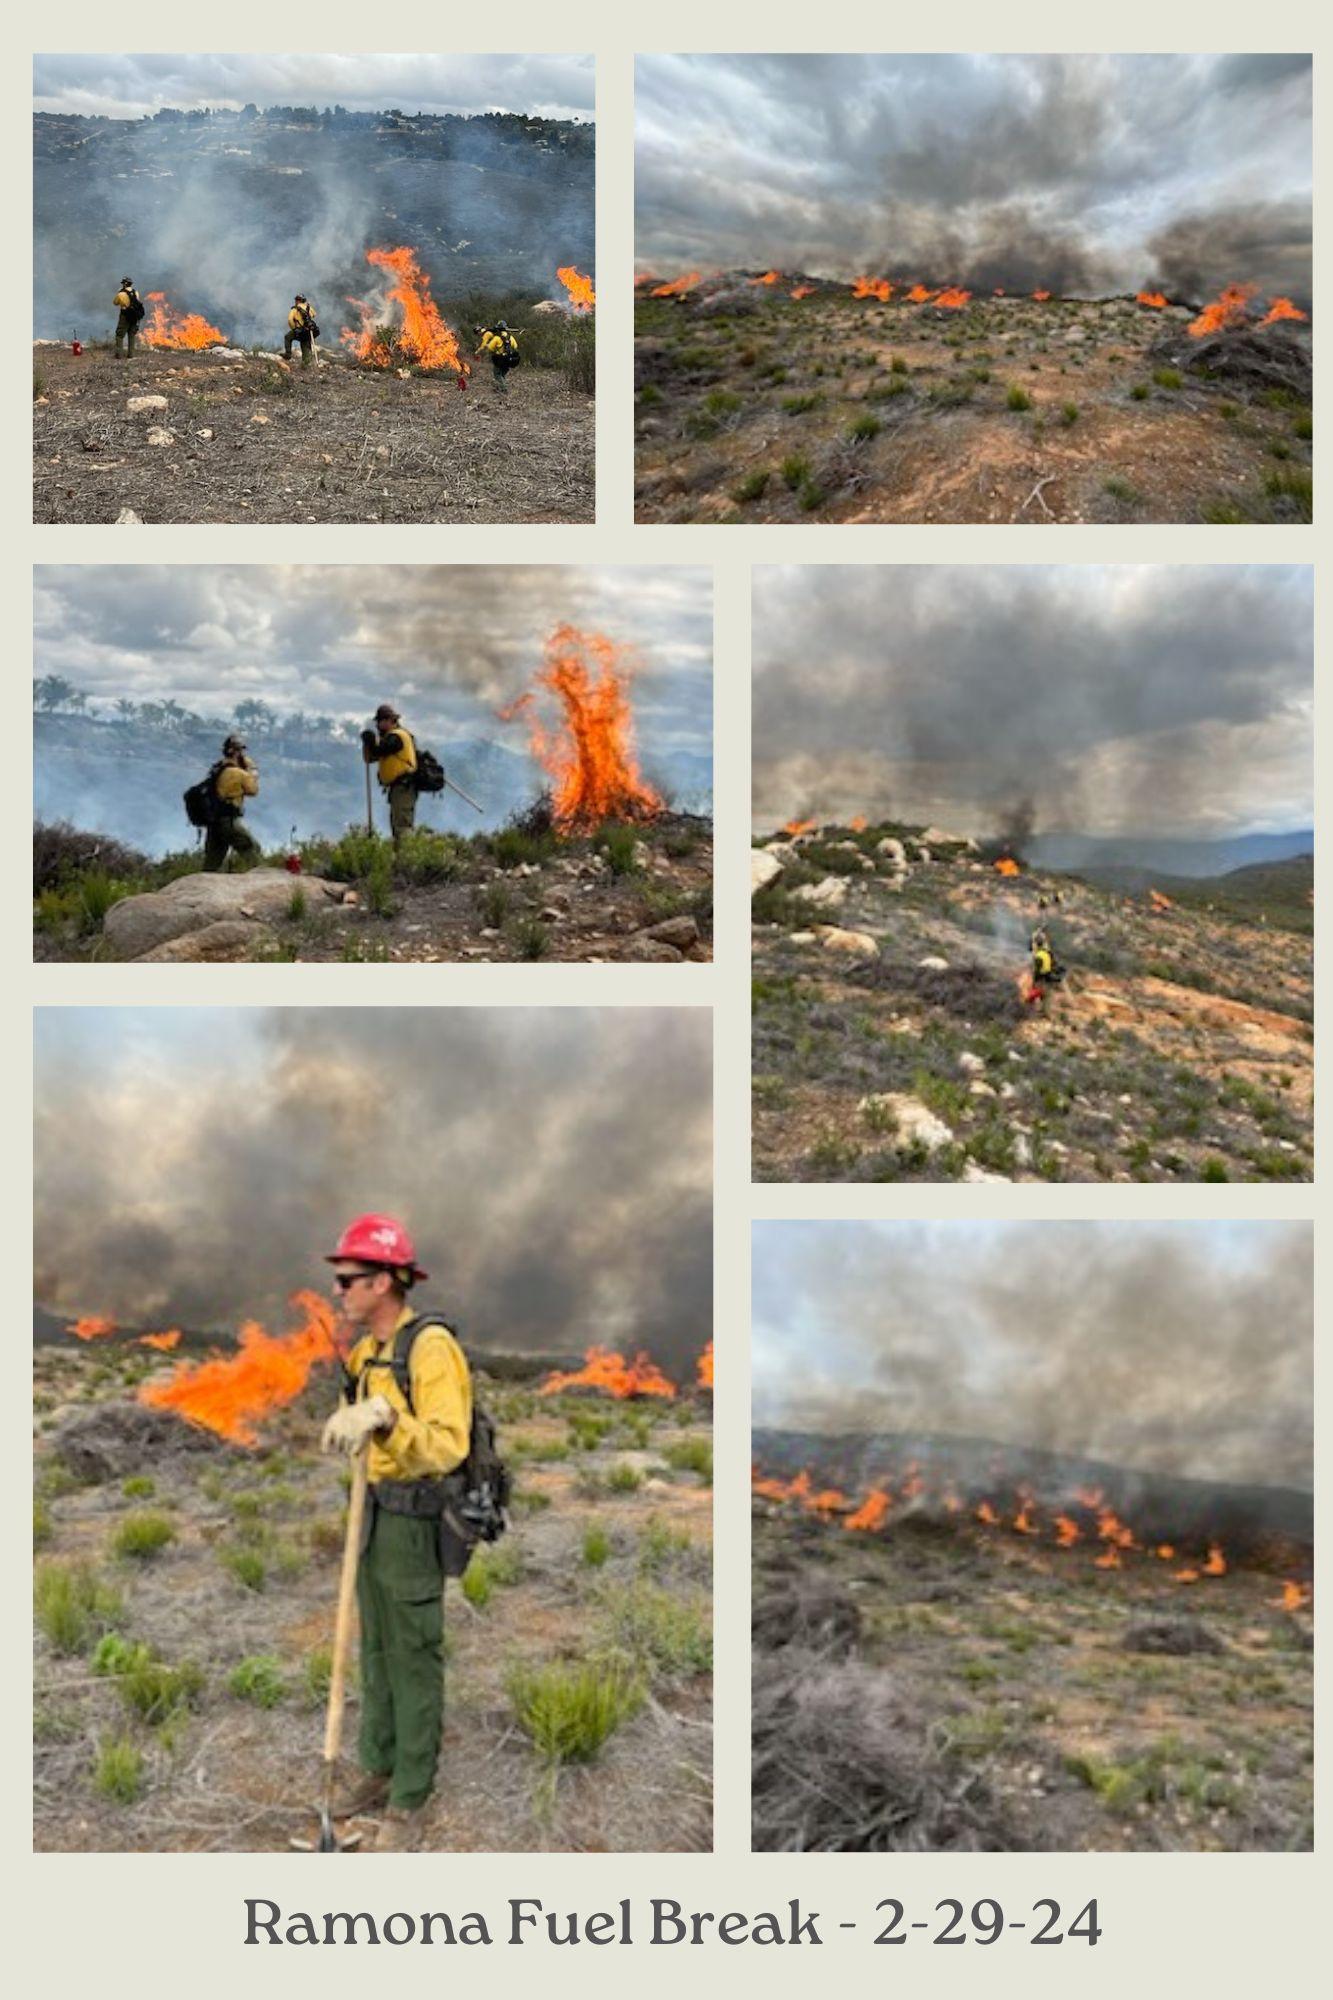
point(1078, 173)
point(134, 86)
point(449, 644)
point(554, 1167)
point(1182, 1347)
point(1129, 698)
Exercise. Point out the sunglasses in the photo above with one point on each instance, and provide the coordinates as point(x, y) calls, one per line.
point(345, 1280)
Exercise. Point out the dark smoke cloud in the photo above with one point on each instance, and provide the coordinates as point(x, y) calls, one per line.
point(1178, 1348)
point(554, 1165)
point(1147, 699)
point(1068, 172)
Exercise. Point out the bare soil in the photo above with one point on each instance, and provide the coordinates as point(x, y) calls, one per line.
point(223, 1774)
point(253, 439)
point(752, 415)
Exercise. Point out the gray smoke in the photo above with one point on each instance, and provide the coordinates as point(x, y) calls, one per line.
point(1148, 699)
point(1072, 173)
point(1176, 1348)
point(553, 1165)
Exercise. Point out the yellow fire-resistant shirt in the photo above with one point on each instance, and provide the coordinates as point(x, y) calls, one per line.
point(298, 319)
point(123, 300)
point(235, 783)
point(395, 764)
point(432, 1438)
point(495, 343)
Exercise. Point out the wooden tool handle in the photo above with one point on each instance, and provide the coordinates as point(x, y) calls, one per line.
point(342, 1630)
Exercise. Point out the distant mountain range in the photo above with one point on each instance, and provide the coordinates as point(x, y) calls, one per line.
point(1087, 854)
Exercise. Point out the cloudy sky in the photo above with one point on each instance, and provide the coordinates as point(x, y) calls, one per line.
point(449, 644)
point(1171, 700)
point(557, 1179)
point(1180, 1347)
point(134, 86)
point(1083, 173)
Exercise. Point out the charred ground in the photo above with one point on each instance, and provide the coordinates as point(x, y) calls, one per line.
point(182, 1667)
point(889, 1041)
point(755, 406)
point(944, 1686)
point(250, 439)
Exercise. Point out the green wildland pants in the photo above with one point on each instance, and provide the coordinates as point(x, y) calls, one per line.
point(402, 808)
point(400, 1596)
point(305, 343)
point(127, 331)
point(228, 836)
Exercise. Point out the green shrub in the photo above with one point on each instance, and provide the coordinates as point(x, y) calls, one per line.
point(493, 904)
point(426, 857)
point(668, 1636)
point(317, 1673)
point(1168, 378)
point(795, 470)
point(691, 1455)
point(247, 1566)
point(139, 1487)
point(531, 939)
point(1140, 392)
point(811, 497)
point(142, 1536)
point(722, 402)
point(569, 1711)
point(258, 1679)
point(1294, 486)
point(659, 1542)
point(1017, 398)
point(43, 1527)
point(477, 1583)
point(149, 1686)
point(1068, 414)
point(596, 1545)
point(800, 406)
point(619, 844)
point(752, 487)
point(118, 1771)
point(898, 365)
point(624, 1479)
point(72, 1604)
point(864, 427)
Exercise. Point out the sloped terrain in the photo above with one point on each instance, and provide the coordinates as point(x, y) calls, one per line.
point(946, 1686)
point(755, 406)
point(181, 1668)
point(890, 1040)
point(248, 438)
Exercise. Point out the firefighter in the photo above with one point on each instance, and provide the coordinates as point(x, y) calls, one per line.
point(301, 328)
point(411, 1408)
point(500, 343)
point(235, 779)
point(394, 750)
point(129, 311)
point(1046, 970)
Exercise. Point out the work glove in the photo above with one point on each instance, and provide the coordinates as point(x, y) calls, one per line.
point(353, 1424)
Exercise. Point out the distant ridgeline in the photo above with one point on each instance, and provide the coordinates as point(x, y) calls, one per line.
point(124, 776)
point(230, 213)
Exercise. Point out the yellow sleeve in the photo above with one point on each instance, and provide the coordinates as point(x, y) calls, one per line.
point(433, 1438)
point(249, 783)
point(122, 300)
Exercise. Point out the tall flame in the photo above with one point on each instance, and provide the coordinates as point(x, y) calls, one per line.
point(610, 1372)
point(231, 1393)
point(582, 297)
point(165, 328)
point(703, 1371)
point(590, 758)
point(872, 288)
point(1227, 310)
point(417, 332)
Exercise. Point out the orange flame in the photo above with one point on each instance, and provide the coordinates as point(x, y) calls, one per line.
point(802, 291)
point(703, 1373)
point(951, 299)
point(608, 1371)
point(858, 823)
point(230, 1393)
point(1042, 296)
point(91, 1327)
point(416, 333)
point(872, 1512)
point(918, 295)
point(1067, 1531)
point(675, 287)
point(987, 1515)
point(1154, 299)
point(1282, 309)
point(1006, 865)
point(872, 288)
point(165, 328)
point(1216, 1564)
point(1227, 310)
point(581, 294)
point(1157, 901)
point(1295, 1596)
point(769, 278)
point(590, 759)
point(164, 1342)
point(795, 826)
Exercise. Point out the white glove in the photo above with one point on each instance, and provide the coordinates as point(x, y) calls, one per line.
point(352, 1424)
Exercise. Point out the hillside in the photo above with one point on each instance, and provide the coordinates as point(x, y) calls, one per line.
point(891, 1040)
point(775, 397)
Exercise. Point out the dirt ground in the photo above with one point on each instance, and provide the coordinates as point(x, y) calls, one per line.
point(832, 408)
point(254, 440)
point(1179, 1049)
point(219, 1771)
point(949, 1686)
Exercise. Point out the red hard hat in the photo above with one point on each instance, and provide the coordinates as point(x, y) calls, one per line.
point(377, 1239)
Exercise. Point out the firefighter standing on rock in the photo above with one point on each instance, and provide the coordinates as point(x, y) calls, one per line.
point(394, 750)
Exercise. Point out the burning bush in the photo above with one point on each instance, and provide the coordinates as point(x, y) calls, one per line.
point(589, 755)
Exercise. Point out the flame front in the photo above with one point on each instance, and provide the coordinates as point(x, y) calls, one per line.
point(952, 299)
point(675, 288)
point(1041, 297)
point(163, 1342)
point(230, 1394)
point(1154, 299)
point(590, 759)
point(769, 278)
point(1282, 309)
point(872, 288)
point(703, 1374)
point(165, 328)
point(1227, 310)
point(608, 1371)
point(1006, 865)
point(795, 826)
point(919, 296)
point(91, 1327)
point(802, 291)
point(416, 331)
point(582, 297)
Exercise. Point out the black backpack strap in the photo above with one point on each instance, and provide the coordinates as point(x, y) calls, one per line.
point(400, 1361)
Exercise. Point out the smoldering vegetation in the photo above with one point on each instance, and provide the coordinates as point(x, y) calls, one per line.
point(230, 213)
point(1159, 1349)
point(1150, 700)
point(554, 1168)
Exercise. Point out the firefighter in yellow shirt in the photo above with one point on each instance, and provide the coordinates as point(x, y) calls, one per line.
point(301, 328)
point(130, 310)
point(499, 343)
point(394, 750)
point(409, 1404)
point(234, 779)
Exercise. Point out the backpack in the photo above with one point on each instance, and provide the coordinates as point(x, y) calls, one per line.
point(202, 804)
point(471, 1503)
point(429, 774)
point(509, 349)
point(138, 309)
